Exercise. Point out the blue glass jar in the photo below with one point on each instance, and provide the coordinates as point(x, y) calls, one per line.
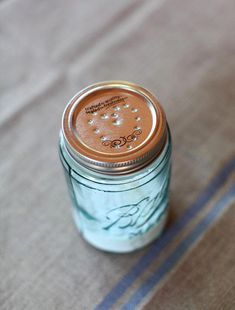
point(119, 179)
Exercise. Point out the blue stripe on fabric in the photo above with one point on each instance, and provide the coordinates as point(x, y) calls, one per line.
point(120, 288)
point(181, 249)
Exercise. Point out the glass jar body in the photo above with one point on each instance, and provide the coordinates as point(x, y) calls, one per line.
point(119, 213)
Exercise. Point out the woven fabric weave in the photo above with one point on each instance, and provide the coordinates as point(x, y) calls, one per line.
point(183, 51)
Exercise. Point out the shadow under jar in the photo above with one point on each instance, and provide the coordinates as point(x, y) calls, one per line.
point(115, 148)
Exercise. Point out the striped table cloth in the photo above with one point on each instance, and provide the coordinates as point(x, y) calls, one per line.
point(183, 51)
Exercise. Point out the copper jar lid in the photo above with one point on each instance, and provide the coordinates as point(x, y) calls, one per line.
point(114, 127)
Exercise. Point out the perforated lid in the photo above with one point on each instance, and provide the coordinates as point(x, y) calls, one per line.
point(114, 127)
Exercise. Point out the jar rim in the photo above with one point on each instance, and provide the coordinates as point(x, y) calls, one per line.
point(100, 179)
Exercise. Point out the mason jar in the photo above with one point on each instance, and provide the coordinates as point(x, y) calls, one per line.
point(115, 148)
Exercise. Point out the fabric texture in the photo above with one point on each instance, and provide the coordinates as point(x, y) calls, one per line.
point(183, 51)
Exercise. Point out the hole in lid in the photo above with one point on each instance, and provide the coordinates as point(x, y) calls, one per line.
point(104, 116)
point(96, 130)
point(114, 115)
point(116, 108)
point(116, 122)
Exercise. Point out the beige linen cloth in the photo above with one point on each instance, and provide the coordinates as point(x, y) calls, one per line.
point(184, 51)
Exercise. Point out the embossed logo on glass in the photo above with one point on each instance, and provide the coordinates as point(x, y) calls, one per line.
point(139, 217)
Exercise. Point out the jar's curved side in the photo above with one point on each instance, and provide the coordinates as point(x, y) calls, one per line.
point(116, 221)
